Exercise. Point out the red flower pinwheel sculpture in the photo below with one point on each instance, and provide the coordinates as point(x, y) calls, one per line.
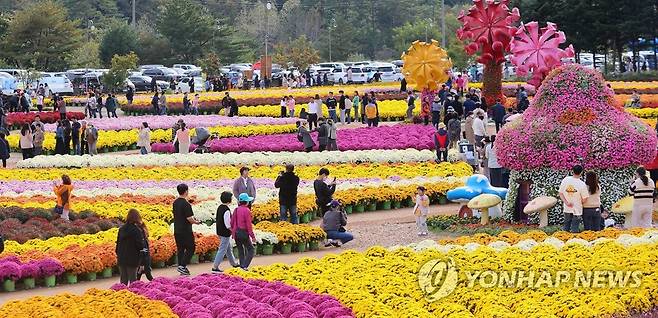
point(538, 53)
point(488, 27)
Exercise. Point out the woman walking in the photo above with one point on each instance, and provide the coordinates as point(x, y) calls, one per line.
point(26, 141)
point(356, 105)
point(144, 139)
point(4, 150)
point(642, 190)
point(242, 230)
point(495, 169)
point(592, 205)
point(63, 194)
point(130, 246)
point(183, 139)
point(223, 226)
point(145, 267)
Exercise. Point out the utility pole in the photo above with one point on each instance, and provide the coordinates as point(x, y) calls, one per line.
point(134, 22)
point(264, 70)
point(443, 23)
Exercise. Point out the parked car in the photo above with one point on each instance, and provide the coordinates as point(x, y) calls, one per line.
point(388, 73)
point(338, 74)
point(359, 75)
point(8, 83)
point(58, 83)
point(162, 74)
point(187, 69)
point(149, 66)
point(184, 84)
point(143, 83)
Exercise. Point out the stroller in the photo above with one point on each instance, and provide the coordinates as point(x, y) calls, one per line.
point(201, 139)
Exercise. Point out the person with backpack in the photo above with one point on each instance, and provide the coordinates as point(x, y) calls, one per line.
point(223, 227)
point(304, 136)
point(441, 142)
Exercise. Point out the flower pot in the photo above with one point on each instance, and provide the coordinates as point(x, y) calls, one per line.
point(115, 148)
point(313, 245)
point(408, 202)
point(107, 273)
point(443, 199)
point(210, 256)
point(359, 208)
point(28, 282)
point(160, 264)
point(268, 249)
point(259, 249)
point(300, 247)
point(371, 207)
point(348, 209)
point(397, 204)
point(123, 148)
point(50, 281)
point(195, 259)
point(286, 248)
point(306, 218)
point(133, 146)
point(386, 205)
point(105, 149)
point(71, 278)
point(90, 277)
point(9, 285)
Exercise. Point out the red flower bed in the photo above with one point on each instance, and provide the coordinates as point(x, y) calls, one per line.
point(22, 224)
point(46, 117)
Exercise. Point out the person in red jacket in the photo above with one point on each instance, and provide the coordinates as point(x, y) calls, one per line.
point(441, 142)
point(242, 230)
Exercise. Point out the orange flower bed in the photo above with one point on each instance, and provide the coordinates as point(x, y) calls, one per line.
point(162, 249)
point(205, 244)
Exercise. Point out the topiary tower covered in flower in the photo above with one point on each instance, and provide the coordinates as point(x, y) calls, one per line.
point(572, 120)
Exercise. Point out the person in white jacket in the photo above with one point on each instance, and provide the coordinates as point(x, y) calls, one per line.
point(144, 139)
point(479, 128)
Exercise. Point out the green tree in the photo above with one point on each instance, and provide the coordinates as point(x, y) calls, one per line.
point(40, 36)
point(118, 39)
point(100, 12)
point(456, 52)
point(115, 78)
point(86, 56)
point(406, 34)
point(210, 64)
point(299, 53)
point(153, 48)
point(188, 26)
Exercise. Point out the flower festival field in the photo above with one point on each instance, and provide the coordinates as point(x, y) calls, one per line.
point(118, 134)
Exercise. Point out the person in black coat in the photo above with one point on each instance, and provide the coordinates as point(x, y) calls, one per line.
point(324, 192)
point(4, 150)
point(287, 183)
point(130, 247)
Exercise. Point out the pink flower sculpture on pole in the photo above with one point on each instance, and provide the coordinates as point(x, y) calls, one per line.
point(538, 53)
point(488, 27)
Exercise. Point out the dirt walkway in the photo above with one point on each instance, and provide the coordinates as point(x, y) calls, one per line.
point(382, 228)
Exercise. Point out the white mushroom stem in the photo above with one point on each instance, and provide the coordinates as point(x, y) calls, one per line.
point(485, 216)
point(543, 218)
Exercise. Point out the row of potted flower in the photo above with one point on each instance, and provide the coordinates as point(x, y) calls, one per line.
point(16, 120)
point(93, 303)
point(122, 140)
point(191, 121)
point(210, 296)
point(28, 273)
point(383, 138)
point(233, 158)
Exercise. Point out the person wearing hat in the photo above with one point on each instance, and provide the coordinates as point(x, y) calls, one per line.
point(441, 142)
point(479, 127)
point(436, 111)
point(333, 223)
point(421, 210)
point(242, 230)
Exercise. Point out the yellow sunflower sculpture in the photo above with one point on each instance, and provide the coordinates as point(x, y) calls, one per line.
point(426, 65)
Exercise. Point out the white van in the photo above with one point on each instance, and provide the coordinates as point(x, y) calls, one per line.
point(388, 72)
point(58, 83)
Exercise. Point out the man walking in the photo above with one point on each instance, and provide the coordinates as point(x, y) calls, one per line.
point(323, 134)
point(341, 106)
point(498, 112)
point(183, 235)
point(244, 184)
point(287, 183)
point(411, 104)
